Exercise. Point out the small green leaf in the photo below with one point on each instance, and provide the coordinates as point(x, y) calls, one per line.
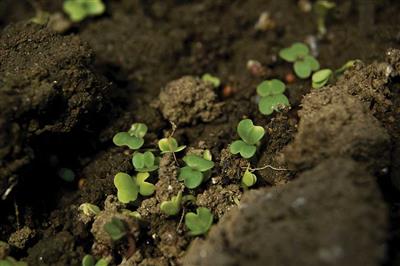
point(294, 52)
point(300, 49)
point(191, 178)
point(248, 179)
point(249, 133)
point(102, 262)
point(312, 62)
point(211, 79)
point(127, 188)
point(115, 228)
point(198, 163)
point(169, 145)
point(145, 188)
point(144, 162)
point(172, 207)
point(89, 209)
point(270, 87)
point(66, 174)
point(125, 139)
point(207, 155)
point(247, 151)
point(88, 260)
point(267, 105)
point(138, 160)
point(78, 10)
point(302, 69)
point(236, 146)
point(200, 222)
point(320, 78)
point(138, 130)
point(95, 7)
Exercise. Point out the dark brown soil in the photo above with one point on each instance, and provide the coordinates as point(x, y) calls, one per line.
point(63, 97)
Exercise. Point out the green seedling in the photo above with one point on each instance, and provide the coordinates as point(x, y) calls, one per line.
point(145, 188)
point(272, 97)
point(144, 162)
point(195, 170)
point(321, 8)
point(127, 188)
point(66, 174)
point(250, 136)
point(169, 145)
point(299, 54)
point(78, 10)
point(133, 138)
point(200, 222)
point(115, 228)
point(88, 260)
point(216, 82)
point(10, 261)
point(172, 207)
point(248, 179)
point(323, 76)
point(89, 209)
point(134, 214)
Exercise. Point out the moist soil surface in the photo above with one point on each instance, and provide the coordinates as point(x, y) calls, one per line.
point(328, 186)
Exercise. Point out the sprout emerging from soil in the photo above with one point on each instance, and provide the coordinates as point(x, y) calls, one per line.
point(321, 77)
point(10, 261)
point(272, 97)
point(248, 179)
point(133, 138)
point(321, 8)
point(250, 136)
point(89, 209)
point(195, 171)
point(78, 10)
point(88, 260)
point(299, 54)
point(169, 145)
point(172, 207)
point(215, 81)
point(200, 222)
point(115, 228)
point(66, 174)
point(144, 162)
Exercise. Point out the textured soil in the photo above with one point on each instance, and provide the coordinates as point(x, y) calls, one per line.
point(328, 196)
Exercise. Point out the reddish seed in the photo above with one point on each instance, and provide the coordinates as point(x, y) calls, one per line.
point(290, 78)
point(228, 91)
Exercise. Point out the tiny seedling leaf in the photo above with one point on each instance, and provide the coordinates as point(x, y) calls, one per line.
point(200, 222)
point(248, 179)
point(267, 105)
point(127, 188)
point(138, 130)
point(198, 163)
point(78, 10)
point(192, 178)
point(320, 78)
point(125, 139)
point(89, 209)
point(249, 133)
point(172, 207)
point(246, 151)
point(216, 82)
point(302, 69)
point(145, 188)
point(294, 52)
point(169, 145)
point(88, 260)
point(270, 87)
point(115, 228)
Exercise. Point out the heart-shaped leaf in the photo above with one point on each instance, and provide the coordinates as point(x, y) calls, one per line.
point(145, 188)
point(320, 78)
point(200, 222)
point(295, 51)
point(127, 188)
point(138, 130)
point(245, 150)
point(191, 178)
point(302, 69)
point(115, 228)
point(198, 163)
point(249, 133)
point(169, 145)
point(270, 87)
point(172, 207)
point(124, 139)
point(267, 105)
point(248, 179)
point(312, 62)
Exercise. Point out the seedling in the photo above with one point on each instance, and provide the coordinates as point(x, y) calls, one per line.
point(321, 8)
point(145, 188)
point(250, 136)
point(144, 162)
point(321, 77)
point(172, 207)
point(134, 214)
point(115, 228)
point(88, 260)
point(248, 179)
point(78, 10)
point(299, 54)
point(133, 138)
point(216, 82)
point(200, 222)
point(272, 97)
point(127, 188)
point(195, 170)
point(89, 209)
point(169, 145)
